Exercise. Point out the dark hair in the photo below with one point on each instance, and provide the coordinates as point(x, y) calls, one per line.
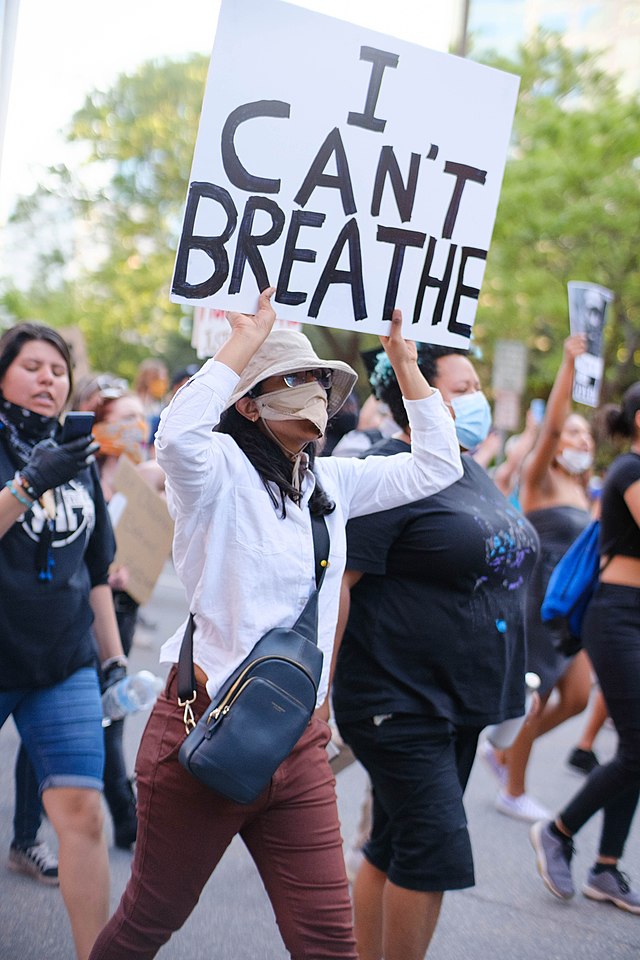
point(620, 421)
point(384, 385)
point(14, 339)
point(271, 462)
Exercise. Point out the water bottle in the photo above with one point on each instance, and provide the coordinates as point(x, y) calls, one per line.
point(136, 692)
point(502, 735)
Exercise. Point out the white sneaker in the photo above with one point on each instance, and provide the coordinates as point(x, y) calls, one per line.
point(523, 807)
point(487, 752)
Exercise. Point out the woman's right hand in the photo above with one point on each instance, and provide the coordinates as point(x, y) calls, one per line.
point(248, 333)
point(258, 324)
point(51, 464)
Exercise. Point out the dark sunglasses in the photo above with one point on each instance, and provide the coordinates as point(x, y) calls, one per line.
point(321, 375)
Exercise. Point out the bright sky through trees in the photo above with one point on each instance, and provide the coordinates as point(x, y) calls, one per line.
point(67, 48)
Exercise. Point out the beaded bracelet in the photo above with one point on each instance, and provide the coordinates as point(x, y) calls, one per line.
point(22, 481)
point(12, 490)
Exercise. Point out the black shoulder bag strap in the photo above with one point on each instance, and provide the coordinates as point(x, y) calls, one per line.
point(306, 624)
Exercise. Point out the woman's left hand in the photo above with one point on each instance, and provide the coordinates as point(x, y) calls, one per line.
point(119, 578)
point(403, 356)
point(400, 351)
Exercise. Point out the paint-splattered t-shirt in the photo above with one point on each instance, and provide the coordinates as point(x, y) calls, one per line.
point(436, 624)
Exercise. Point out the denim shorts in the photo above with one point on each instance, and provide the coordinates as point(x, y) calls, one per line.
point(61, 728)
point(418, 767)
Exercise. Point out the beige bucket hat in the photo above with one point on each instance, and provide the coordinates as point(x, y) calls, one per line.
point(287, 351)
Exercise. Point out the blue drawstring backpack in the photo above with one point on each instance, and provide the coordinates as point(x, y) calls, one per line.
point(571, 587)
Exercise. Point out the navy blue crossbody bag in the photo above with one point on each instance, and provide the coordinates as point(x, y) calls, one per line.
point(263, 708)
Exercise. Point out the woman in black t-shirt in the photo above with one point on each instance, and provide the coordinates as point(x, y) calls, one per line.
point(611, 636)
point(433, 651)
point(56, 545)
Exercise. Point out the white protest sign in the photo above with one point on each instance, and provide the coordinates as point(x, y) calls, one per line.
point(353, 171)
point(588, 305)
point(211, 328)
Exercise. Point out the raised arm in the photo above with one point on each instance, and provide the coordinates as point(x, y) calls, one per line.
point(557, 411)
point(248, 333)
point(380, 483)
point(183, 447)
point(403, 357)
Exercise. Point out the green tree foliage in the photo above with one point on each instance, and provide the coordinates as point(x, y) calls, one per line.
point(124, 198)
point(569, 210)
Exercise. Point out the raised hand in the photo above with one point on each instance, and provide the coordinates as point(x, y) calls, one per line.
point(260, 322)
point(248, 333)
point(403, 356)
point(399, 350)
point(574, 346)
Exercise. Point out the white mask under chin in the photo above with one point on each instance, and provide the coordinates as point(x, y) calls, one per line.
point(575, 461)
point(306, 402)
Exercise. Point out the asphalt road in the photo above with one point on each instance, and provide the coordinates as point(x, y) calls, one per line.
point(508, 915)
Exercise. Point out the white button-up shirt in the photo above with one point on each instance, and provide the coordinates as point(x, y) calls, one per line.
point(245, 569)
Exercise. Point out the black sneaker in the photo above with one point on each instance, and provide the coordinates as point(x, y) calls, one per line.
point(36, 861)
point(584, 761)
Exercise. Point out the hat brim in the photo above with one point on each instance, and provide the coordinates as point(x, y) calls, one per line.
point(295, 353)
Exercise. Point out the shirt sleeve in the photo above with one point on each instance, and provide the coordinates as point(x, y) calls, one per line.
point(627, 473)
point(184, 444)
point(101, 548)
point(370, 538)
point(380, 483)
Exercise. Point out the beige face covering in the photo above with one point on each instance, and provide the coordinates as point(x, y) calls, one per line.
point(306, 402)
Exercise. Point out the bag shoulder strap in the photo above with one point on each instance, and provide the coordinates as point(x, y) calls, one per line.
point(306, 624)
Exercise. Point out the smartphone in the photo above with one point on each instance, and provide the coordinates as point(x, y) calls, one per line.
point(76, 424)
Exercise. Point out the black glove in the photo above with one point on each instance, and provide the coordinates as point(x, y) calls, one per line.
point(112, 673)
point(52, 464)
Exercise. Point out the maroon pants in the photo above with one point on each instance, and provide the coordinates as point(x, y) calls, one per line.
point(291, 831)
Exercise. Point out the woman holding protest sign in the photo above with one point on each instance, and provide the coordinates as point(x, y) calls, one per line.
point(611, 636)
point(237, 443)
point(553, 495)
point(56, 544)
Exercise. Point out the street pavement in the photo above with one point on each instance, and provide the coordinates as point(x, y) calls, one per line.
point(508, 915)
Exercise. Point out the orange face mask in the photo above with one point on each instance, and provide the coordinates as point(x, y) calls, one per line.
point(128, 437)
point(158, 387)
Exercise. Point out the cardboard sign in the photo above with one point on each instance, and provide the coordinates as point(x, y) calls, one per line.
point(588, 305)
point(143, 529)
point(510, 359)
point(353, 171)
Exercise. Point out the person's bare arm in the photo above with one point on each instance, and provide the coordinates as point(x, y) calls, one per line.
point(403, 356)
point(556, 412)
point(105, 626)
point(248, 333)
point(11, 508)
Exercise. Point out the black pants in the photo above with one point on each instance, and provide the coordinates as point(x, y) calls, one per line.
point(611, 634)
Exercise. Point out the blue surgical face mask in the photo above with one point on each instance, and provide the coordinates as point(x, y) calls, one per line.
point(473, 418)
